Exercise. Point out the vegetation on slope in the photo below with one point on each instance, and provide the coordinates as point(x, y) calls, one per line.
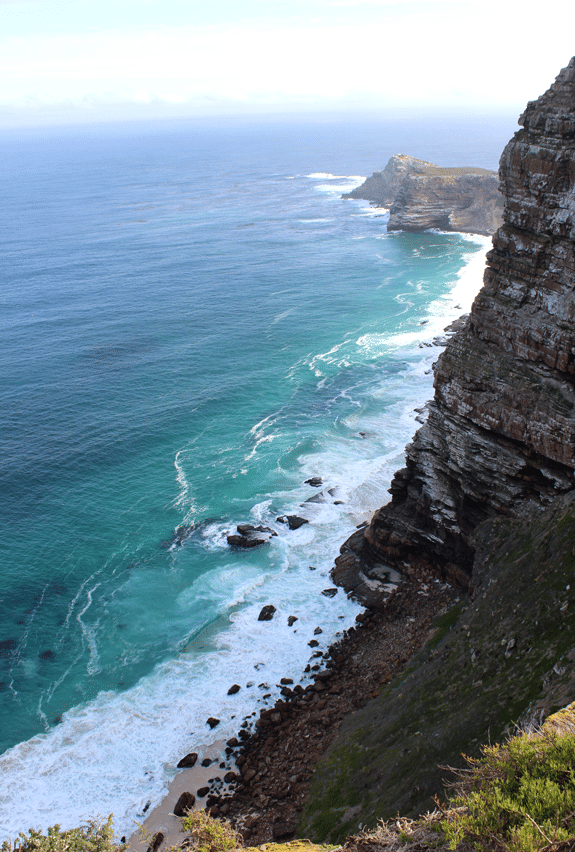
point(503, 659)
point(516, 797)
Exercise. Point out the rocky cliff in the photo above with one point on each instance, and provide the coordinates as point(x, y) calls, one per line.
point(500, 433)
point(421, 195)
point(486, 501)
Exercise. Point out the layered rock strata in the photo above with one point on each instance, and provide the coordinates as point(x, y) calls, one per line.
point(421, 195)
point(500, 434)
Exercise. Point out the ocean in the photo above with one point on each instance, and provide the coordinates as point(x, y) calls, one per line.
point(194, 323)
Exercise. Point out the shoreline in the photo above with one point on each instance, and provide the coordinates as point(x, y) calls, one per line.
point(251, 813)
point(169, 797)
point(275, 762)
point(161, 818)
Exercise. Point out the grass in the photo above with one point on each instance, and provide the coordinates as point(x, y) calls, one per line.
point(96, 836)
point(450, 700)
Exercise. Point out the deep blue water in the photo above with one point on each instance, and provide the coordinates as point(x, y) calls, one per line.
point(193, 323)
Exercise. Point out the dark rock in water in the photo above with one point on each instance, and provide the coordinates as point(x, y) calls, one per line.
point(317, 498)
point(244, 541)
point(233, 689)
point(146, 807)
point(47, 655)
point(313, 643)
point(203, 791)
point(315, 481)
point(184, 804)
point(317, 631)
point(246, 529)
point(188, 761)
point(248, 536)
point(233, 742)
point(212, 722)
point(206, 762)
point(330, 593)
point(267, 613)
point(293, 521)
point(157, 841)
point(286, 681)
point(7, 647)
point(178, 537)
point(291, 620)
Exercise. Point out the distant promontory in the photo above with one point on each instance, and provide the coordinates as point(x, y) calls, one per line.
point(421, 195)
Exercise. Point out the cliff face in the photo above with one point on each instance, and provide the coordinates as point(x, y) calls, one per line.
point(421, 196)
point(382, 187)
point(500, 435)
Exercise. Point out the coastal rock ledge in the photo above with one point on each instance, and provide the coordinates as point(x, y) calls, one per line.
point(420, 195)
point(500, 436)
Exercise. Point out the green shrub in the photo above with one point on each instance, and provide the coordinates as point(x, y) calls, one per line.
point(519, 796)
point(209, 834)
point(95, 836)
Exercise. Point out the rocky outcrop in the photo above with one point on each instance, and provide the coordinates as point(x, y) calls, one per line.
point(382, 187)
point(421, 195)
point(500, 434)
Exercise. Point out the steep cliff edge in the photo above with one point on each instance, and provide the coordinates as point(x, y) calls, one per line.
point(504, 656)
point(500, 434)
point(421, 195)
point(382, 187)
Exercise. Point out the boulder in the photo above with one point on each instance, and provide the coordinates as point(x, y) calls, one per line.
point(267, 613)
point(184, 804)
point(294, 522)
point(157, 841)
point(232, 778)
point(248, 529)
point(188, 761)
point(244, 541)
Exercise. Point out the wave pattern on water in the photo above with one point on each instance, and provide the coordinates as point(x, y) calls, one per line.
point(161, 384)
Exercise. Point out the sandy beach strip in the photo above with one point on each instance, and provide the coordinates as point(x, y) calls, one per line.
point(161, 818)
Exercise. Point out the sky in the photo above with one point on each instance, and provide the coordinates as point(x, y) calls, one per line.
point(82, 60)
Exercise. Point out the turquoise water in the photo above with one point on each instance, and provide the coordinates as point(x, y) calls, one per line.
point(193, 323)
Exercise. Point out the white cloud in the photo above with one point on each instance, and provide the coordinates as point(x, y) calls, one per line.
point(431, 53)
